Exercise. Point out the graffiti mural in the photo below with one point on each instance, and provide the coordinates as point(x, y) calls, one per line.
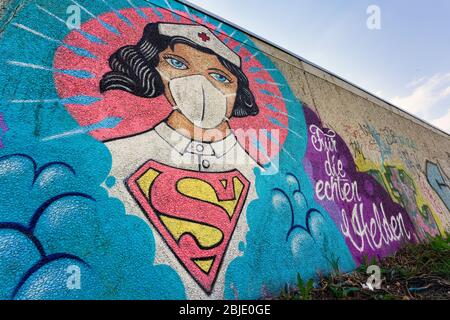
point(439, 182)
point(405, 192)
point(373, 224)
point(154, 152)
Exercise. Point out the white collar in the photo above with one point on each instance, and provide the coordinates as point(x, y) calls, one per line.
point(185, 145)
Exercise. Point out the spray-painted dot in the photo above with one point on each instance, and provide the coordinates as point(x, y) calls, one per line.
point(110, 182)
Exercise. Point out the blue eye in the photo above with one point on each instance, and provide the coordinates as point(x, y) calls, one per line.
point(219, 77)
point(177, 64)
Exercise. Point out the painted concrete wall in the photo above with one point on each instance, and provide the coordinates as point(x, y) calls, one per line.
point(146, 156)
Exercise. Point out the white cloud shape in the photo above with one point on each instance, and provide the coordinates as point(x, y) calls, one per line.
point(443, 122)
point(428, 97)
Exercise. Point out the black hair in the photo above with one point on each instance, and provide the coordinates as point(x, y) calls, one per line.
point(134, 70)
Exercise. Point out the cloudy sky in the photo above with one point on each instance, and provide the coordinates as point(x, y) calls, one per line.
point(406, 62)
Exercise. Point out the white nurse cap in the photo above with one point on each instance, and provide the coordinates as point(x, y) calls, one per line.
point(202, 36)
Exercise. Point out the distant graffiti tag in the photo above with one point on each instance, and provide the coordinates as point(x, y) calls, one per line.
point(404, 190)
point(439, 182)
point(385, 142)
point(357, 149)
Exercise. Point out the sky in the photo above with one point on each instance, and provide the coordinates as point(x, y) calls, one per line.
point(405, 61)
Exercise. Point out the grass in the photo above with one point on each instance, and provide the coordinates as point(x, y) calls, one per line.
point(416, 272)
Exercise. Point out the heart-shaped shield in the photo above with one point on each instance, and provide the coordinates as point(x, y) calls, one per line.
point(195, 213)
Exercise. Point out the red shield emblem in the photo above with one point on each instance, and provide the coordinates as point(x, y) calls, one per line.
point(195, 212)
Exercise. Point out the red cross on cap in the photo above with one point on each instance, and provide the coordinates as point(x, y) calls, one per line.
point(204, 36)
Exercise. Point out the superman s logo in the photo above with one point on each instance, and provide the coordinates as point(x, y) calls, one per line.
point(195, 213)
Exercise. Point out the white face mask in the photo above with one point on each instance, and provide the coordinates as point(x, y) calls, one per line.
point(199, 101)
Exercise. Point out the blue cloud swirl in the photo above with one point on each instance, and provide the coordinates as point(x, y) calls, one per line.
point(48, 225)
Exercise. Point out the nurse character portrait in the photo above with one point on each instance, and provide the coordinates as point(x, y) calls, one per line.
point(203, 81)
point(189, 176)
